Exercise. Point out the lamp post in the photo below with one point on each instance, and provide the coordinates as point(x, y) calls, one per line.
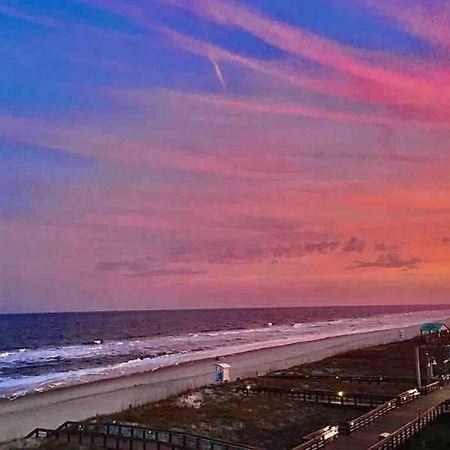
point(431, 361)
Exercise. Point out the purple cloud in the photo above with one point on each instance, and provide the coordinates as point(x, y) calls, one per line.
point(390, 261)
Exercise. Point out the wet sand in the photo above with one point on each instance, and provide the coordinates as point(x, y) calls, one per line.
point(51, 408)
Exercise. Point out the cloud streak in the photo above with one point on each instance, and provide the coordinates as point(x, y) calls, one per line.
point(428, 20)
point(225, 154)
point(385, 85)
point(144, 268)
point(416, 99)
point(22, 15)
point(390, 260)
point(232, 252)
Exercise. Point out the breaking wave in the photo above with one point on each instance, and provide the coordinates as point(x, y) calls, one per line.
point(25, 370)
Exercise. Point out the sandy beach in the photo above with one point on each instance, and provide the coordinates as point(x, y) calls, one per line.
point(51, 408)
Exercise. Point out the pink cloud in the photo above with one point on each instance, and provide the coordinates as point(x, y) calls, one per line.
point(415, 96)
point(429, 21)
point(294, 110)
point(384, 85)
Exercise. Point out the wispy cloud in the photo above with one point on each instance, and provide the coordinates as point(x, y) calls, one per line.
point(386, 85)
point(389, 260)
point(237, 251)
point(144, 268)
point(16, 13)
point(277, 70)
point(225, 154)
point(354, 245)
point(295, 110)
point(428, 20)
point(417, 99)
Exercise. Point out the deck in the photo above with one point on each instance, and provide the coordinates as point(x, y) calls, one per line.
point(368, 436)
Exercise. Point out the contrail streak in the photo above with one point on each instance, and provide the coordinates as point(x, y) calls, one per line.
point(218, 72)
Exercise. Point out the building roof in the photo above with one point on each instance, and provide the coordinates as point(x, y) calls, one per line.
point(433, 326)
point(223, 365)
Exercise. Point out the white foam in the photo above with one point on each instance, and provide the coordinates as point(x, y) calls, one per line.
point(179, 349)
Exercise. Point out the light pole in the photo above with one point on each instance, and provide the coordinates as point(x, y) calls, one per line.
point(431, 361)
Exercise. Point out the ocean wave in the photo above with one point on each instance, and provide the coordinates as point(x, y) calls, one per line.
point(123, 357)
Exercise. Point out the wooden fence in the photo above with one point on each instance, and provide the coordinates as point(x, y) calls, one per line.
point(127, 437)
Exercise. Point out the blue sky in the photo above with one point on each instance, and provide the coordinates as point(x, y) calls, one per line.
point(223, 153)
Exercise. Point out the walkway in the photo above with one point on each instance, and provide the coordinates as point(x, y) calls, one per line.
point(368, 436)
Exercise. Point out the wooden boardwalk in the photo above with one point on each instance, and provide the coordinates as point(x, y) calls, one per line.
point(368, 436)
point(129, 437)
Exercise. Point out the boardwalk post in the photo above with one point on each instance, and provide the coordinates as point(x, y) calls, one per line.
point(418, 375)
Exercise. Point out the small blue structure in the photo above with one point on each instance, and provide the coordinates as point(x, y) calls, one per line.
point(433, 327)
point(221, 372)
point(434, 331)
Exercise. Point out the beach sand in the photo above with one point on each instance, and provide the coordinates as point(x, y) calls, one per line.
point(50, 409)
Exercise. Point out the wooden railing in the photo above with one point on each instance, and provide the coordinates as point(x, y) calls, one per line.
point(441, 338)
point(350, 378)
point(103, 433)
point(322, 397)
point(406, 432)
point(366, 419)
point(425, 390)
point(369, 417)
point(319, 438)
point(446, 407)
point(40, 433)
point(407, 396)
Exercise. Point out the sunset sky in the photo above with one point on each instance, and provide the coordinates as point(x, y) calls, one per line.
point(201, 153)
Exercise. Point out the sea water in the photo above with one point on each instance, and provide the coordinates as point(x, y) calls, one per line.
point(45, 351)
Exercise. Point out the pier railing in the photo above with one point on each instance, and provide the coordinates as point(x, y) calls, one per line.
point(134, 437)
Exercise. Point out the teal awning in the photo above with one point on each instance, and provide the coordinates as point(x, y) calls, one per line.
point(433, 326)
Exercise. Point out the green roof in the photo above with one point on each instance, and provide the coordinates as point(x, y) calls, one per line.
point(433, 326)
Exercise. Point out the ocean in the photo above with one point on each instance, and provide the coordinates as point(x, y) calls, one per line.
point(45, 351)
